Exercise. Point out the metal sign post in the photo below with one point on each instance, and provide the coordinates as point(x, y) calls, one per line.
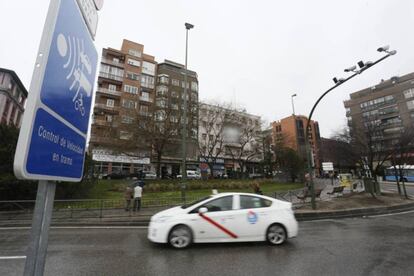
point(37, 249)
point(52, 139)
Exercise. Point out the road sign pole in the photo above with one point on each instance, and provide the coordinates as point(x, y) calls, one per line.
point(36, 252)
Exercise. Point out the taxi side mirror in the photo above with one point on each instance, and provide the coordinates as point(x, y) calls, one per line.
point(202, 210)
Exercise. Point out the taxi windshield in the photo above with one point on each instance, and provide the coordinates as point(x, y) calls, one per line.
point(185, 206)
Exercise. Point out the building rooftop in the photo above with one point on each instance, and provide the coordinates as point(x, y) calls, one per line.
point(16, 78)
point(383, 84)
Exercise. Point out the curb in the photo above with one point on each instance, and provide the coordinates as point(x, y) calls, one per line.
point(350, 213)
point(308, 216)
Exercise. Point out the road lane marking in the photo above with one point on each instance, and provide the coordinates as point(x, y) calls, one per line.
point(12, 257)
point(222, 228)
point(78, 227)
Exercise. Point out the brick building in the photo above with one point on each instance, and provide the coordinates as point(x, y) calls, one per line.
point(13, 97)
point(290, 132)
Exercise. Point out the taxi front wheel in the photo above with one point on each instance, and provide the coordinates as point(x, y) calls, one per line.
point(180, 237)
point(276, 234)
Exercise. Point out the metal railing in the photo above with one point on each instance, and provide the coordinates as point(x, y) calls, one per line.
point(106, 208)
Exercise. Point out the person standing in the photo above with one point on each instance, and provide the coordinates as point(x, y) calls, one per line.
point(128, 197)
point(137, 198)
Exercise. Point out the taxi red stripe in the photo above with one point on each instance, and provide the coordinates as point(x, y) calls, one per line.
point(222, 228)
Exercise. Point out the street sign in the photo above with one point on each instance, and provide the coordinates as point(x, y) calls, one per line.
point(53, 134)
point(327, 166)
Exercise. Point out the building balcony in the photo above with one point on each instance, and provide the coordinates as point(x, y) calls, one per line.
point(100, 122)
point(111, 62)
point(110, 76)
point(114, 109)
point(145, 114)
point(101, 140)
point(146, 99)
point(109, 92)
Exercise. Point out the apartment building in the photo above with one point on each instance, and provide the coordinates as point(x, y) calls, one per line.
point(169, 107)
point(228, 139)
point(125, 91)
point(13, 97)
point(138, 113)
point(384, 111)
point(290, 132)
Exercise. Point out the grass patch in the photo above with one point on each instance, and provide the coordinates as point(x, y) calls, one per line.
point(114, 189)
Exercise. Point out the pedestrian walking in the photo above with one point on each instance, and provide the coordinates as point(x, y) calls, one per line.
point(137, 198)
point(256, 188)
point(128, 197)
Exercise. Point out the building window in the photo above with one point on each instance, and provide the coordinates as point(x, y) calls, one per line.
point(409, 93)
point(108, 118)
point(129, 104)
point(127, 120)
point(110, 102)
point(175, 82)
point(112, 72)
point(161, 103)
point(125, 135)
point(163, 79)
point(148, 68)
point(112, 87)
point(132, 76)
point(194, 86)
point(162, 90)
point(131, 89)
point(183, 86)
point(174, 94)
point(134, 53)
point(147, 81)
point(410, 105)
point(134, 62)
point(204, 136)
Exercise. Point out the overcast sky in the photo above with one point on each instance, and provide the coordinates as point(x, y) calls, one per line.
point(255, 54)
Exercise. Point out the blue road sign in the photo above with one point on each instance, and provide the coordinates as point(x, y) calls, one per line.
point(71, 67)
point(53, 134)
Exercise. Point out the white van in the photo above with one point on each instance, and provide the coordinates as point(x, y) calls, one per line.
point(191, 175)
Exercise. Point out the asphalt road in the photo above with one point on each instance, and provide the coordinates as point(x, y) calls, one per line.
point(362, 246)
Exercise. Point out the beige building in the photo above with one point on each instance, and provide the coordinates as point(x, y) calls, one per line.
point(385, 109)
point(228, 139)
point(13, 97)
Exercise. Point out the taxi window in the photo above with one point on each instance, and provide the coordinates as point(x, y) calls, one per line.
point(221, 204)
point(249, 202)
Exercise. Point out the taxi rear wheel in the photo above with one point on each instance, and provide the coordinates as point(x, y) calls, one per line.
point(276, 234)
point(180, 237)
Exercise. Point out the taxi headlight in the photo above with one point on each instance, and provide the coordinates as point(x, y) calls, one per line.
point(162, 219)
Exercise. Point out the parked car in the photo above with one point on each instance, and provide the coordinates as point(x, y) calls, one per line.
point(225, 217)
point(149, 175)
point(255, 175)
point(191, 175)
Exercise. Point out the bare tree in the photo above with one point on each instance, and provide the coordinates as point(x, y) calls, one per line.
point(211, 124)
point(403, 149)
point(242, 139)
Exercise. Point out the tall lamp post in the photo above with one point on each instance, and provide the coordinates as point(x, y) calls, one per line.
point(362, 67)
point(188, 26)
point(293, 104)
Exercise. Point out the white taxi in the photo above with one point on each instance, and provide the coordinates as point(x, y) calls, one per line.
point(225, 217)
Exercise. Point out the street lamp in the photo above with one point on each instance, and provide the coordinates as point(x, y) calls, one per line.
point(188, 26)
point(293, 105)
point(362, 67)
